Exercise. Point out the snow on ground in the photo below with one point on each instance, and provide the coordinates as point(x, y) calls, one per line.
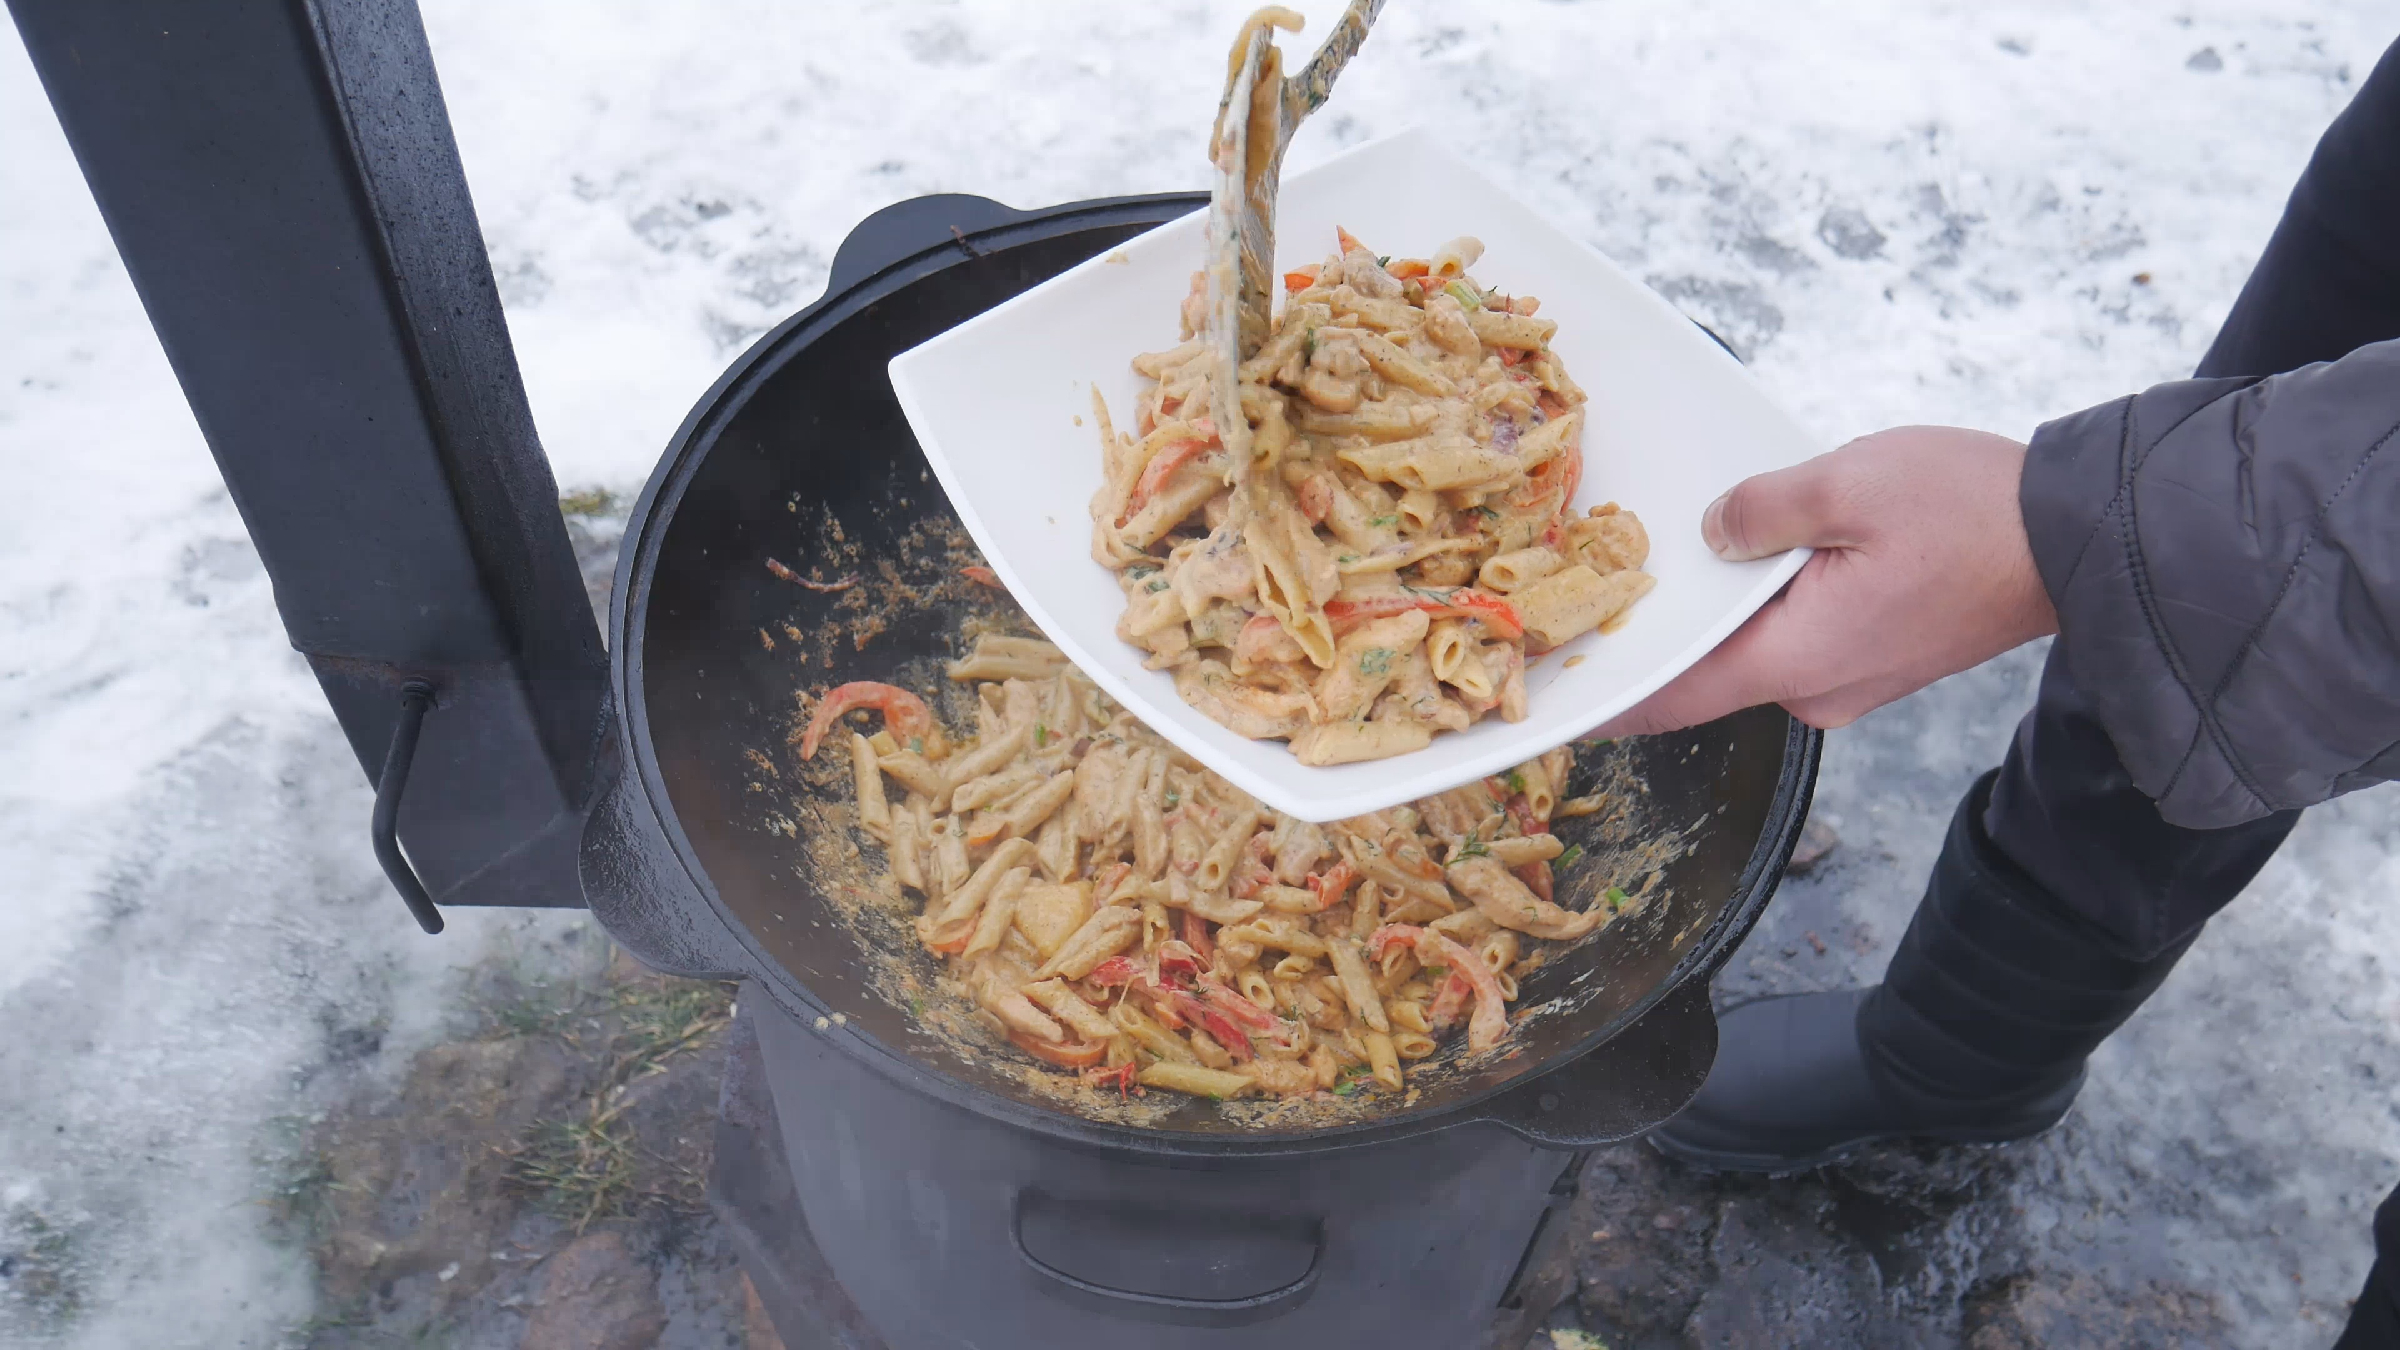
point(1983, 213)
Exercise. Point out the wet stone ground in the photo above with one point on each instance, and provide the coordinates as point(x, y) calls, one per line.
point(539, 1182)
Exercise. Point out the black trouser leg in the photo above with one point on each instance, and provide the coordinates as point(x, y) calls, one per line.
point(2059, 903)
point(2329, 280)
point(2375, 1319)
point(2066, 813)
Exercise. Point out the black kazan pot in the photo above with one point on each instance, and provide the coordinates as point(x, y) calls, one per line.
point(955, 1206)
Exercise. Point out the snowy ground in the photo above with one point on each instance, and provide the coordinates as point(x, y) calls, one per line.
point(1983, 213)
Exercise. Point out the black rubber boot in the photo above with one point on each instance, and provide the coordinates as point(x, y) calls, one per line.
point(1978, 1033)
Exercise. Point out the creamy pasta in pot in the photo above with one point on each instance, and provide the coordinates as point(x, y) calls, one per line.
point(1114, 909)
point(1403, 538)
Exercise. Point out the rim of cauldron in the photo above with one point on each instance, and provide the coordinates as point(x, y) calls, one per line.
point(857, 280)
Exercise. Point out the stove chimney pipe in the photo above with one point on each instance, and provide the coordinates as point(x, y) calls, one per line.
point(280, 179)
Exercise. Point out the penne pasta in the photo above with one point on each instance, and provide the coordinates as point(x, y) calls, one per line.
point(1515, 570)
point(997, 657)
point(1195, 1079)
point(1570, 603)
point(1383, 1059)
point(874, 811)
point(1399, 441)
point(1156, 915)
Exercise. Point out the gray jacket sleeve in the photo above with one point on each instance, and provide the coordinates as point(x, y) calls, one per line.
point(2224, 556)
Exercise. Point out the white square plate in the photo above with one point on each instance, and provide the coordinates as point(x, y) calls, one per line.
point(1673, 421)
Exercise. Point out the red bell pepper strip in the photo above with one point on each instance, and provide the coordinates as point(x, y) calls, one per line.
point(1121, 1077)
point(1463, 602)
point(1497, 614)
point(1195, 936)
point(1238, 1006)
point(1490, 1021)
point(1408, 268)
point(1566, 469)
point(1346, 240)
point(1178, 964)
point(1332, 883)
point(1115, 972)
point(1300, 278)
point(1521, 811)
point(1168, 459)
point(1536, 876)
point(1220, 1027)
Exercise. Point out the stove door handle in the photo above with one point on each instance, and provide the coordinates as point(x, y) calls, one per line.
point(1172, 1309)
point(416, 699)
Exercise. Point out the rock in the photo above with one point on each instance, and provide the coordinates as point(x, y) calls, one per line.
point(1783, 1280)
point(417, 1186)
point(596, 1296)
point(2028, 1312)
point(1642, 1228)
point(1847, 231)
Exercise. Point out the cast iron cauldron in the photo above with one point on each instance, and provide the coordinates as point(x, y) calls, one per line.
point(956, 1207)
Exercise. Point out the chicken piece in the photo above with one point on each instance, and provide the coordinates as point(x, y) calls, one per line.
point(1259, 714)
point(1498, 893)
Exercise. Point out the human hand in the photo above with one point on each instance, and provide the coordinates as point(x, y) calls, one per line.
point(1922, 570)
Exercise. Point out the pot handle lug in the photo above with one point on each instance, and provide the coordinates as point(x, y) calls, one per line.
point(1117, 1246)
point(1626, 1086)
point(910, 227)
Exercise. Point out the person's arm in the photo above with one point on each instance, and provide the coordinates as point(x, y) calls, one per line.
point(2221, 559)
point(2224, 557)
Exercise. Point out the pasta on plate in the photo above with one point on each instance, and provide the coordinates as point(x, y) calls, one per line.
point(1113, 908)
point(1391, 534)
